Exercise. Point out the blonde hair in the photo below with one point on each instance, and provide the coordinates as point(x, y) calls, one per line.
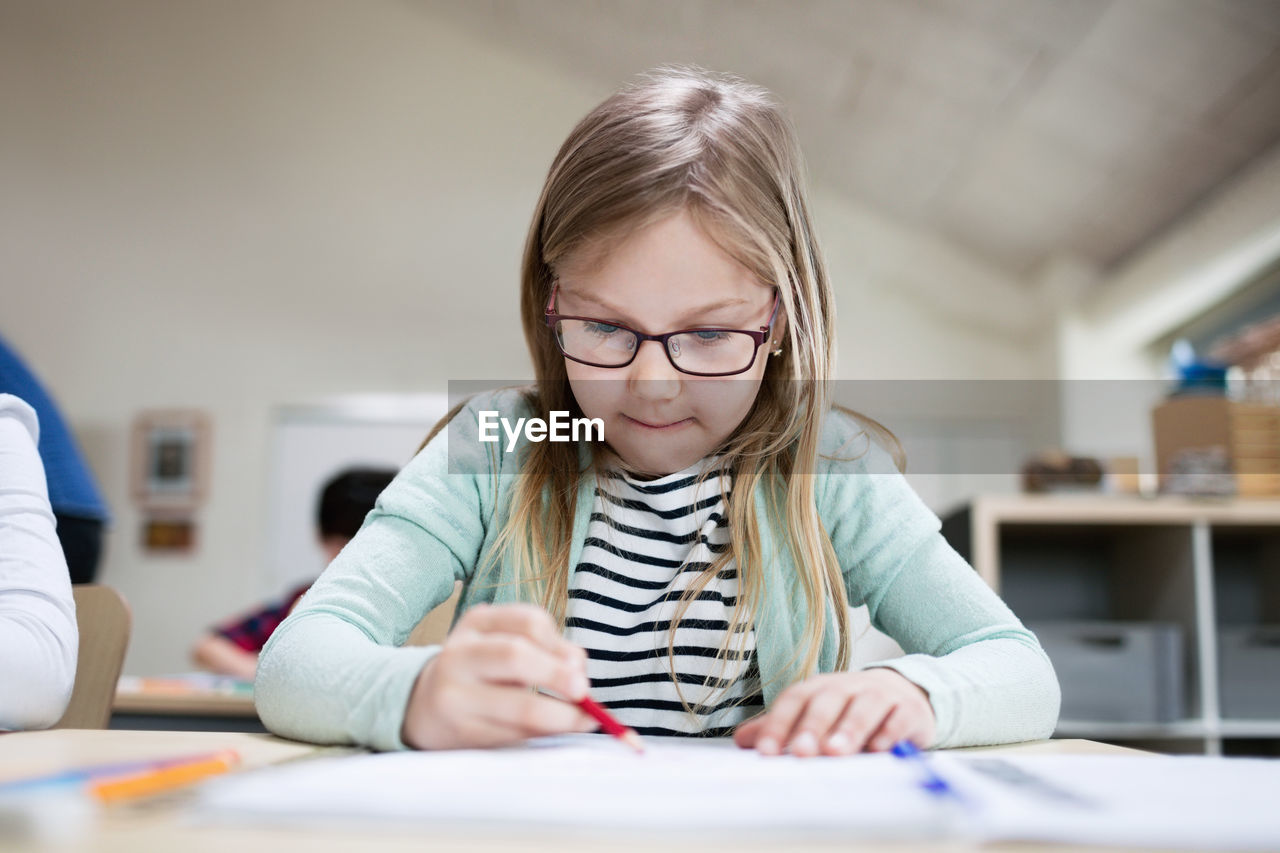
point(722, 149)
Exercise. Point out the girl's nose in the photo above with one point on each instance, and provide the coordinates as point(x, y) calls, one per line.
point(651, 375)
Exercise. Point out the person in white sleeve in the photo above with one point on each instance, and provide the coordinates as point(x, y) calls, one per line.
point(38, 635)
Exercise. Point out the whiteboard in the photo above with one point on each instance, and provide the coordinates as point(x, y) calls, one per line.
point(309, 444)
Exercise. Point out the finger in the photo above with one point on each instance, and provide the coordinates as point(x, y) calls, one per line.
point(863, 716)
point(901, 724)
point(527, 714)
point(524, 619)
point(814, 729)
point(446, 718)
point(746, 733)
point(776, 725)
point(514, 660)
point(473, 732)
point(528, 621)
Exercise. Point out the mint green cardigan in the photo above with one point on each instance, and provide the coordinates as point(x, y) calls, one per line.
point(335, 671)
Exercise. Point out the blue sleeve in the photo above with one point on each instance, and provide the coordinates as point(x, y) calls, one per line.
point(335, 671)
point(72, 488)
point(987, 677)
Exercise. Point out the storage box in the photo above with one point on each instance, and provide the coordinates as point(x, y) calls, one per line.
point(1249, 672)
point(1193, 431)
point(1116, 671)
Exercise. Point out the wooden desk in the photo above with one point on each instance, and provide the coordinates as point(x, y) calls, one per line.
point(161, 824)
point(140, 705)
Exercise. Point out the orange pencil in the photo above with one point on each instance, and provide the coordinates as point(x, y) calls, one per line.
point(163, 779)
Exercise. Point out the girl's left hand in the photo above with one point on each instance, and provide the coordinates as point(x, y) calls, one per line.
point(840, 713)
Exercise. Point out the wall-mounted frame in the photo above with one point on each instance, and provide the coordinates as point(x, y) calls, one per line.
point(176, 535)
point(170, 459)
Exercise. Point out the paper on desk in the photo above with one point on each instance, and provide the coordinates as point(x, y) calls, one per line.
point(1183, 802)
point(592, 782)
point(681, 786)
point(185, 683)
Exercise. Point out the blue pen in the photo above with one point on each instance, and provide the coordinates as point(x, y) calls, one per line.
point(931, 781)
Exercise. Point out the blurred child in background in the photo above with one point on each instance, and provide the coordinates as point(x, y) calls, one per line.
point(232, 648)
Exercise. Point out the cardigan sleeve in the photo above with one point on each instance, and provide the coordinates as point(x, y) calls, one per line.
point(334, 671)
point(987, 677)
point(39, 639)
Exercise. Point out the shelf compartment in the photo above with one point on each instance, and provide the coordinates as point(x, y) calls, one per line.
point(1255, 747)
point(1206, 565)
point(1126, 672)
point(1246, 573)
point(1108, 574)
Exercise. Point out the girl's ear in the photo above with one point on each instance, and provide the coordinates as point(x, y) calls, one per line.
point(778, 335)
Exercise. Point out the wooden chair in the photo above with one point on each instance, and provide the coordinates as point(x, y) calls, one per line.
point(434, 627)
point(104, 621)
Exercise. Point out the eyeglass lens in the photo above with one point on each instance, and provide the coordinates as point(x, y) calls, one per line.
point(698, 351)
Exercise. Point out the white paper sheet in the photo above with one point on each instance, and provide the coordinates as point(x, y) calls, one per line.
point(679, 786)
point(593, 782)
point(1183, 802)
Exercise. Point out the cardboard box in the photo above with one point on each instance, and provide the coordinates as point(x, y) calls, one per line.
point(1212, 445)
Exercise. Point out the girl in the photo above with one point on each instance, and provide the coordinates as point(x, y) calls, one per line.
point(692, 568)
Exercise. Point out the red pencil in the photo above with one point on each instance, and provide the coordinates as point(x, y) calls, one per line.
point(610, 725)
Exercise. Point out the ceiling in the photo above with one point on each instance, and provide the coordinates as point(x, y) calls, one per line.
point(1019, 130)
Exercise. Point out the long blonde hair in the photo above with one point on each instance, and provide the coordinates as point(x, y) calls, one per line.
point(722, 149)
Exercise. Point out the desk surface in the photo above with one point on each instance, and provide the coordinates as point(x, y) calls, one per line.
point(159, 824)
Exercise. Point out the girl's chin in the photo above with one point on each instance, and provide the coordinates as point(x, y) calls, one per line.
point(655, 463)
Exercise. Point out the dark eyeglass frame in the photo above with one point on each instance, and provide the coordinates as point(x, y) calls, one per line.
point(760, 336)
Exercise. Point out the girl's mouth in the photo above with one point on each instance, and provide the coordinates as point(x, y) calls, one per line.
point(667, 426)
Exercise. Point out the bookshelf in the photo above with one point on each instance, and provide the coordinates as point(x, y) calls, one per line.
point(1210, 568)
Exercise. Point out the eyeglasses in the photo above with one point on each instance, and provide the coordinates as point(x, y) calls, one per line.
point(698, 352)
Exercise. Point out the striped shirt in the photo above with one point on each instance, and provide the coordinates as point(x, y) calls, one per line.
point(648, 542)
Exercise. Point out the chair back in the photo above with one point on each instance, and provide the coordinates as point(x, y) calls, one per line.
point(434, 627)
point(104, 621)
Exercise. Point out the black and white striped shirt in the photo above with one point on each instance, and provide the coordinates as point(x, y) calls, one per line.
point(647, 542)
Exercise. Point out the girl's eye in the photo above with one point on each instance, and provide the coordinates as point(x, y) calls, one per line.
point(601, 328)
point(709, 337)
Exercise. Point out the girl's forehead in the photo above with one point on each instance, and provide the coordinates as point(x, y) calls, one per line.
point(674, 250)
point(654, 230)
point(664, 304)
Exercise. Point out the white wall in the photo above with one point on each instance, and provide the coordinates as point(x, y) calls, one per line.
point(1105, 342)
point(914, 307)
point(232, 206)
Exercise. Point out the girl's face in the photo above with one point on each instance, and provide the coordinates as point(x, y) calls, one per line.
point(666, 277)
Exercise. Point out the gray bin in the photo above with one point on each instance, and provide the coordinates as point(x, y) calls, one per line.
point(1249, 672)
point(1116, 671)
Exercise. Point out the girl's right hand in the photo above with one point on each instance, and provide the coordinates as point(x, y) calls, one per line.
point(478, 691)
